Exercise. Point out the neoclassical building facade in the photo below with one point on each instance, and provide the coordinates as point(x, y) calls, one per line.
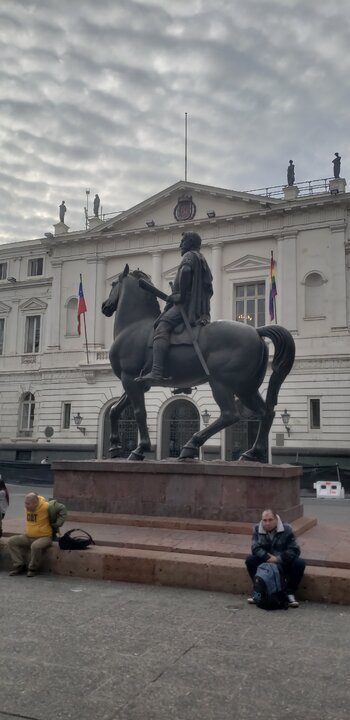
point(56, 392)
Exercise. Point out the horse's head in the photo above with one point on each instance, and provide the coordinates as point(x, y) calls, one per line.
point(110, 305)
point(137, 301)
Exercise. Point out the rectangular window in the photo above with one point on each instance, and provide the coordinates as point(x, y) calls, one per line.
point(249, 304)
point(32, 334)
point(66, 414)
point(3, 271)
point(24, 455)
point(35, 267)
point(315, 414)
point(2, 330)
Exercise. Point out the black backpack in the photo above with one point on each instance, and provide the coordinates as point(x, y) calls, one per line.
point(269, 588)
point(77, 542)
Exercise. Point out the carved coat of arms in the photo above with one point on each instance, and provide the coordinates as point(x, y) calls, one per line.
point(185, 208)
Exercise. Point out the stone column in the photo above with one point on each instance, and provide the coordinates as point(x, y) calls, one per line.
point(286, 280)
point(338, 277)
point(54, 313)
point(216, 268)
point(94, 292)
point(12, 330)
point(347, 261)
point(157, 265)
point(100, 297)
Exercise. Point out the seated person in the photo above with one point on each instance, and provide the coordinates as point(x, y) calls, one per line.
point(43, 518)
point(274, 542)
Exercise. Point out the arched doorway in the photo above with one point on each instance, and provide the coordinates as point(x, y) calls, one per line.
point(240, 437)
point(180, 421)
point(127, 432)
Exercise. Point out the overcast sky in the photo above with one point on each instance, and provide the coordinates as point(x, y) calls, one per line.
point(94, 93)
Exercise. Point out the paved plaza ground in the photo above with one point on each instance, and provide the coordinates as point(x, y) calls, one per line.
point(80, 649)
point(90, 650)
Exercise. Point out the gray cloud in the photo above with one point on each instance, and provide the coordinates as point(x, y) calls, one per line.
point(93, 95)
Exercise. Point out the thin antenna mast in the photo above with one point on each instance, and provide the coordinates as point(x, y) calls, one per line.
point(185, 146)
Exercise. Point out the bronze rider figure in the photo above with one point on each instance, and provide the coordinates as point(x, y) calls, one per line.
point(192, 289)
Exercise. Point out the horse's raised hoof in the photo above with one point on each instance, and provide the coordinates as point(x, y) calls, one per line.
point(188, 453)
point(135, 456)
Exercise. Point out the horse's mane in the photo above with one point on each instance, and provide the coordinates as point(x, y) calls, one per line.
point(140, 274)
point(150, 299)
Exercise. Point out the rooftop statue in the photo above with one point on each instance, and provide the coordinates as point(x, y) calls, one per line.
point(291, 173)
point(62, 211)
point(231, 356)
point(96, 205)
point(336, 165)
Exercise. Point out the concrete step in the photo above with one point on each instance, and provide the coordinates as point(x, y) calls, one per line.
point(155, 567)
point(178, 523)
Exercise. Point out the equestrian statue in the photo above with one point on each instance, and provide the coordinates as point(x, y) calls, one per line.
point(180, 348)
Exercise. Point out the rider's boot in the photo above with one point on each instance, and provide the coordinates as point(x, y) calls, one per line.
point(156, 376)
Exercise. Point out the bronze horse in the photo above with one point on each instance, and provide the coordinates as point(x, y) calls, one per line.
point(235, 353)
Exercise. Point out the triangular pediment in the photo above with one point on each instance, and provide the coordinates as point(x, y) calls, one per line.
point(170, 274)
point(248, 262)
point(4, 309)
point(33, 304)
point(179, 205)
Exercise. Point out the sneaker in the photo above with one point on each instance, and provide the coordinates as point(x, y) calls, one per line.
point(251, 601)
point(292, 602)
point(17, 570)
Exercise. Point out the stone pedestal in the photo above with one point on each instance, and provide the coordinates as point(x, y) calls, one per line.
point(234, 491)
point(61, 228)
point(337, 185)
point(95, 222)
point(291, 192)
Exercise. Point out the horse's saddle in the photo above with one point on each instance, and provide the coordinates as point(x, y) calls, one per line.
point(180, 335)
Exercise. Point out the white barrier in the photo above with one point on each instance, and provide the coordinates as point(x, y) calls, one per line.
point(329, 489)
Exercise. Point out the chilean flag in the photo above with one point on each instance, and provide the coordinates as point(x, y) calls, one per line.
point(81, 303)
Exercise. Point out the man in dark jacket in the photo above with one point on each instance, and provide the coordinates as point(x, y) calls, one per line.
point(274, 542)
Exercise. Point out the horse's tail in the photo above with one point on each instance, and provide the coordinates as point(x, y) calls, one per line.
point(283, 359)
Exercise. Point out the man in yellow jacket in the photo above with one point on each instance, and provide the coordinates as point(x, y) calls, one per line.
point(43, 518)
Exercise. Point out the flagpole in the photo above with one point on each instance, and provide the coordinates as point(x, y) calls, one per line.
point(185, 146)
point(86, 342)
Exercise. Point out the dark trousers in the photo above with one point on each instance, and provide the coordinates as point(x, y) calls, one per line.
point(293, 572)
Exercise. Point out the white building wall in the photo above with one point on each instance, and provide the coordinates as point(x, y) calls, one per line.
point(309, 236)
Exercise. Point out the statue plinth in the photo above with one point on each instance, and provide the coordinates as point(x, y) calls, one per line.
point(95, 222)
point(337, 185)
point(291, 192)
point(61, 228)
point(233, 491)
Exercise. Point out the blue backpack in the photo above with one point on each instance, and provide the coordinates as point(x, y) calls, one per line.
point(269, 588)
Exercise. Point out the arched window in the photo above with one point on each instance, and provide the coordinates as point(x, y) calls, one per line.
point(27, 410)
point(71, 319)
point(180, 422)
point(314, 296)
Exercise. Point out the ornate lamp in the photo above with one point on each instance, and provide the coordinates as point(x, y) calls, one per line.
point(285, 419)
point(78, 420)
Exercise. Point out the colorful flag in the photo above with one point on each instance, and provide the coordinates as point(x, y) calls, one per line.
point(81, 303)
point(273, 289)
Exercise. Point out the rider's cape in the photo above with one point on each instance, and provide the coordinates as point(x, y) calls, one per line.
point(197, 304)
